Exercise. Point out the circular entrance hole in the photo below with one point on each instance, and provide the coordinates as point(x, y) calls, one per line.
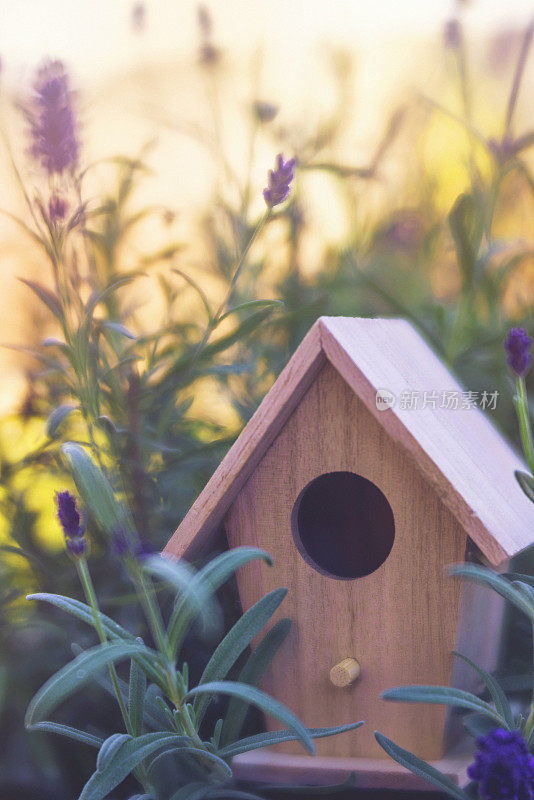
point(343, 525)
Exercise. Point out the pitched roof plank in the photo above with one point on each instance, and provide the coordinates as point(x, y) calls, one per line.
point(464, 458)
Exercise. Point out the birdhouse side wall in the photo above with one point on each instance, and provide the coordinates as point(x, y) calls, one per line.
point(399, 622)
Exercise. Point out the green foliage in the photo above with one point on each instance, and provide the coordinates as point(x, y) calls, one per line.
point(144, 752)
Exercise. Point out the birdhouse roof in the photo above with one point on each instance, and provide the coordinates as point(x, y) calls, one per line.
point(458, 450)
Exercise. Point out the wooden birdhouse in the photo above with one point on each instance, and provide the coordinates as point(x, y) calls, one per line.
point(364, 473)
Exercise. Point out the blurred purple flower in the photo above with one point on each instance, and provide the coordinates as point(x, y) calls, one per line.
point(53, 125)
point(70, 521)
point(205, 22)
point(279, 181)
point(138, 16)
point(265, 112)
point(517, 345)
point(120, 544)
point(57, 208)
point(503, 767)
point(209, 54)
point(123, 546)
point(144, 550)
point(453, 34)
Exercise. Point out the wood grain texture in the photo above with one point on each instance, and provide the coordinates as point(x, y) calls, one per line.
point(399, 622)
point(459, 452)
point(265, 765)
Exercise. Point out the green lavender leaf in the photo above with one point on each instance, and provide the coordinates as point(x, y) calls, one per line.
point(260, 740)
point(121, 756)
point(442, 695)
point(77, 674)
point(262, 701)
point(502, 705)
point(235, 642)
point(420, 767)
point(71, 733)
point(57, 416)
point(252, 674)
point(485, 577)
point(209, 580)
point(94, 488)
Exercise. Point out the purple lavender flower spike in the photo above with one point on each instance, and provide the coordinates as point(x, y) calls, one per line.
point(279, 181)
point(57, 208)
point(453, 34)
point(70, 521)
point(52, 122)
point(517, 345)
point(120, 545)
point(503, 767)
point(68, 515)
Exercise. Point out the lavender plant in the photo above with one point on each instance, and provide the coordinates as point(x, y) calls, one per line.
point(164, 743)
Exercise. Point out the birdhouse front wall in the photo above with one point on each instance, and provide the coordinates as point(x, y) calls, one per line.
point(399, 621)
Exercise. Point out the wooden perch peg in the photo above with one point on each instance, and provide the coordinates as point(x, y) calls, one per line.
point(345, 673)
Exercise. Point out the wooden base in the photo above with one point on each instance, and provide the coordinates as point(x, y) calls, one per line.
point(370, 773)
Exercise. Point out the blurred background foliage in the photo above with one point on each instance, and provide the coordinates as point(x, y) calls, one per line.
point(432, 223)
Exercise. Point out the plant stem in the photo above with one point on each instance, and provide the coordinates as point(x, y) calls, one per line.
point(525, 429)
point(155, 621)
point(241, 264)
point(90, 594)
point(89, 590)
point(217, 317)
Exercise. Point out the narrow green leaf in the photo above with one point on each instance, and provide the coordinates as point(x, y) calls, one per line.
point(56, 418)
point(485, 577)
point(252, 304)
point(463, 223)
point(442, 695)
point(502, 705)
point(526, 482)
point(122, 756)
point(420, 767)
point(71, 733)
point(181, 577)
point(47, 297)
point(94, 488)
point(116, 327)
point(252, 674)
point(110, 747)
point(235, 642)
point(77, 674)
point(269, 738)
point(198, 289)
point(84, 613)
point(136, 697)
point(219, 569)
point(210, 578)
point(261, 700)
